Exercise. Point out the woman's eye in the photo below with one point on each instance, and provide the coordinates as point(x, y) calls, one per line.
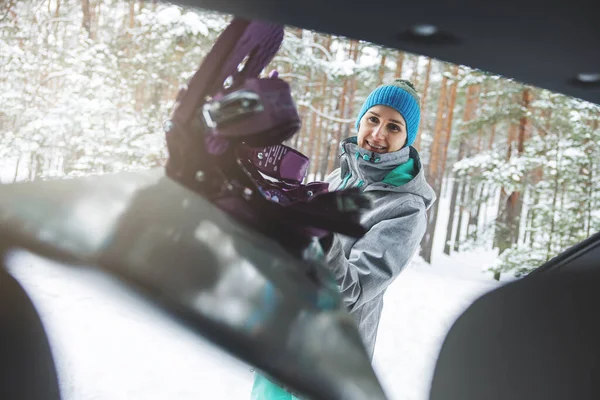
point(373, 119)
point(394, 128)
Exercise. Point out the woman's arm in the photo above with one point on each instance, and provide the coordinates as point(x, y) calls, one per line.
point(378, 257)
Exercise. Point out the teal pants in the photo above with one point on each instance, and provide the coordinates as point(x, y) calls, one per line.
point(264, 389)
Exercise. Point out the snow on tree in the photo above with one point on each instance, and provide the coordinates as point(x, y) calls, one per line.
point(86, 85)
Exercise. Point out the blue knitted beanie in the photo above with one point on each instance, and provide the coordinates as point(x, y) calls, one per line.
point(402, 97)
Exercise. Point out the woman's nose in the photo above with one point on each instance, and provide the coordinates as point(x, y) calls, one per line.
point(379, 132)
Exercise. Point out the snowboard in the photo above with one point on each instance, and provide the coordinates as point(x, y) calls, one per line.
point(231, 254)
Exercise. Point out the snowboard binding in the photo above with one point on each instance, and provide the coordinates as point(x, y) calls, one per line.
point(225, 142)
point(276, 307)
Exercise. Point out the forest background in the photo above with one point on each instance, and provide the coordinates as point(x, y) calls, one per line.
point(85, 86)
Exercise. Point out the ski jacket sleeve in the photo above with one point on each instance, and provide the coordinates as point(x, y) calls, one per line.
point(375, 260)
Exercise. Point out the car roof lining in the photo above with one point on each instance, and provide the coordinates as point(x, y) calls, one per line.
point(545, 44)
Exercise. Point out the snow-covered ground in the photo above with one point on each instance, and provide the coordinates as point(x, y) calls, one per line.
point(419, 309)
point(110, 344)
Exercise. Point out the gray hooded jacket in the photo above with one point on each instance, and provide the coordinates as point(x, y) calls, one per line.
point(364, 268)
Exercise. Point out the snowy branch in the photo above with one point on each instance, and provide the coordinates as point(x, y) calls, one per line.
point(329, 117)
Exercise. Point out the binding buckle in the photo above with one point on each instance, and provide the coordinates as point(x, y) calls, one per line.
point(231, 108)
point(260, 112)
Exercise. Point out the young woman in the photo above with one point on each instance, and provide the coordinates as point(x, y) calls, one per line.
point(381, 161)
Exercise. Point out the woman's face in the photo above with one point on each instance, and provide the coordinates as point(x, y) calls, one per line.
point(382, 130)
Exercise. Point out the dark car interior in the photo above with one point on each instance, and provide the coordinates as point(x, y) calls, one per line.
point(536, 338)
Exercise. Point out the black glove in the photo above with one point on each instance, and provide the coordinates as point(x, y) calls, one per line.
point(326, 242)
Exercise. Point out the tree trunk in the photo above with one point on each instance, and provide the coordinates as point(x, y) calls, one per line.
point(315, 157)
point(493, 133)
point(381, 68)
point(536, 176)
point(492, 137)
point(451, 217)
point(131, 14)
point(509, 227)
point(434, 161)
point(474, 205)
point(332, 136)
point(502, 231)
point(86, 23)
point(310, 136)
point(415, 72)
point(399, 64)
point(524, 131)
point(449, 120)
point(92, 20)
point(426, 86)
point(453, 200)
point(417, 144)
point(590, 181)
point(482, 198)
point(16, 174)
point(530, 219)
point(320, 135)
point(353, 84)
point(479, 140)
point(312, 133)
point(434, 171)
point(475, 193)
point(346, 110)
point(515, 200)
point(333, 146)
point(305, 112)
point(463, 194)
point(468, 115)
point(561, 211)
